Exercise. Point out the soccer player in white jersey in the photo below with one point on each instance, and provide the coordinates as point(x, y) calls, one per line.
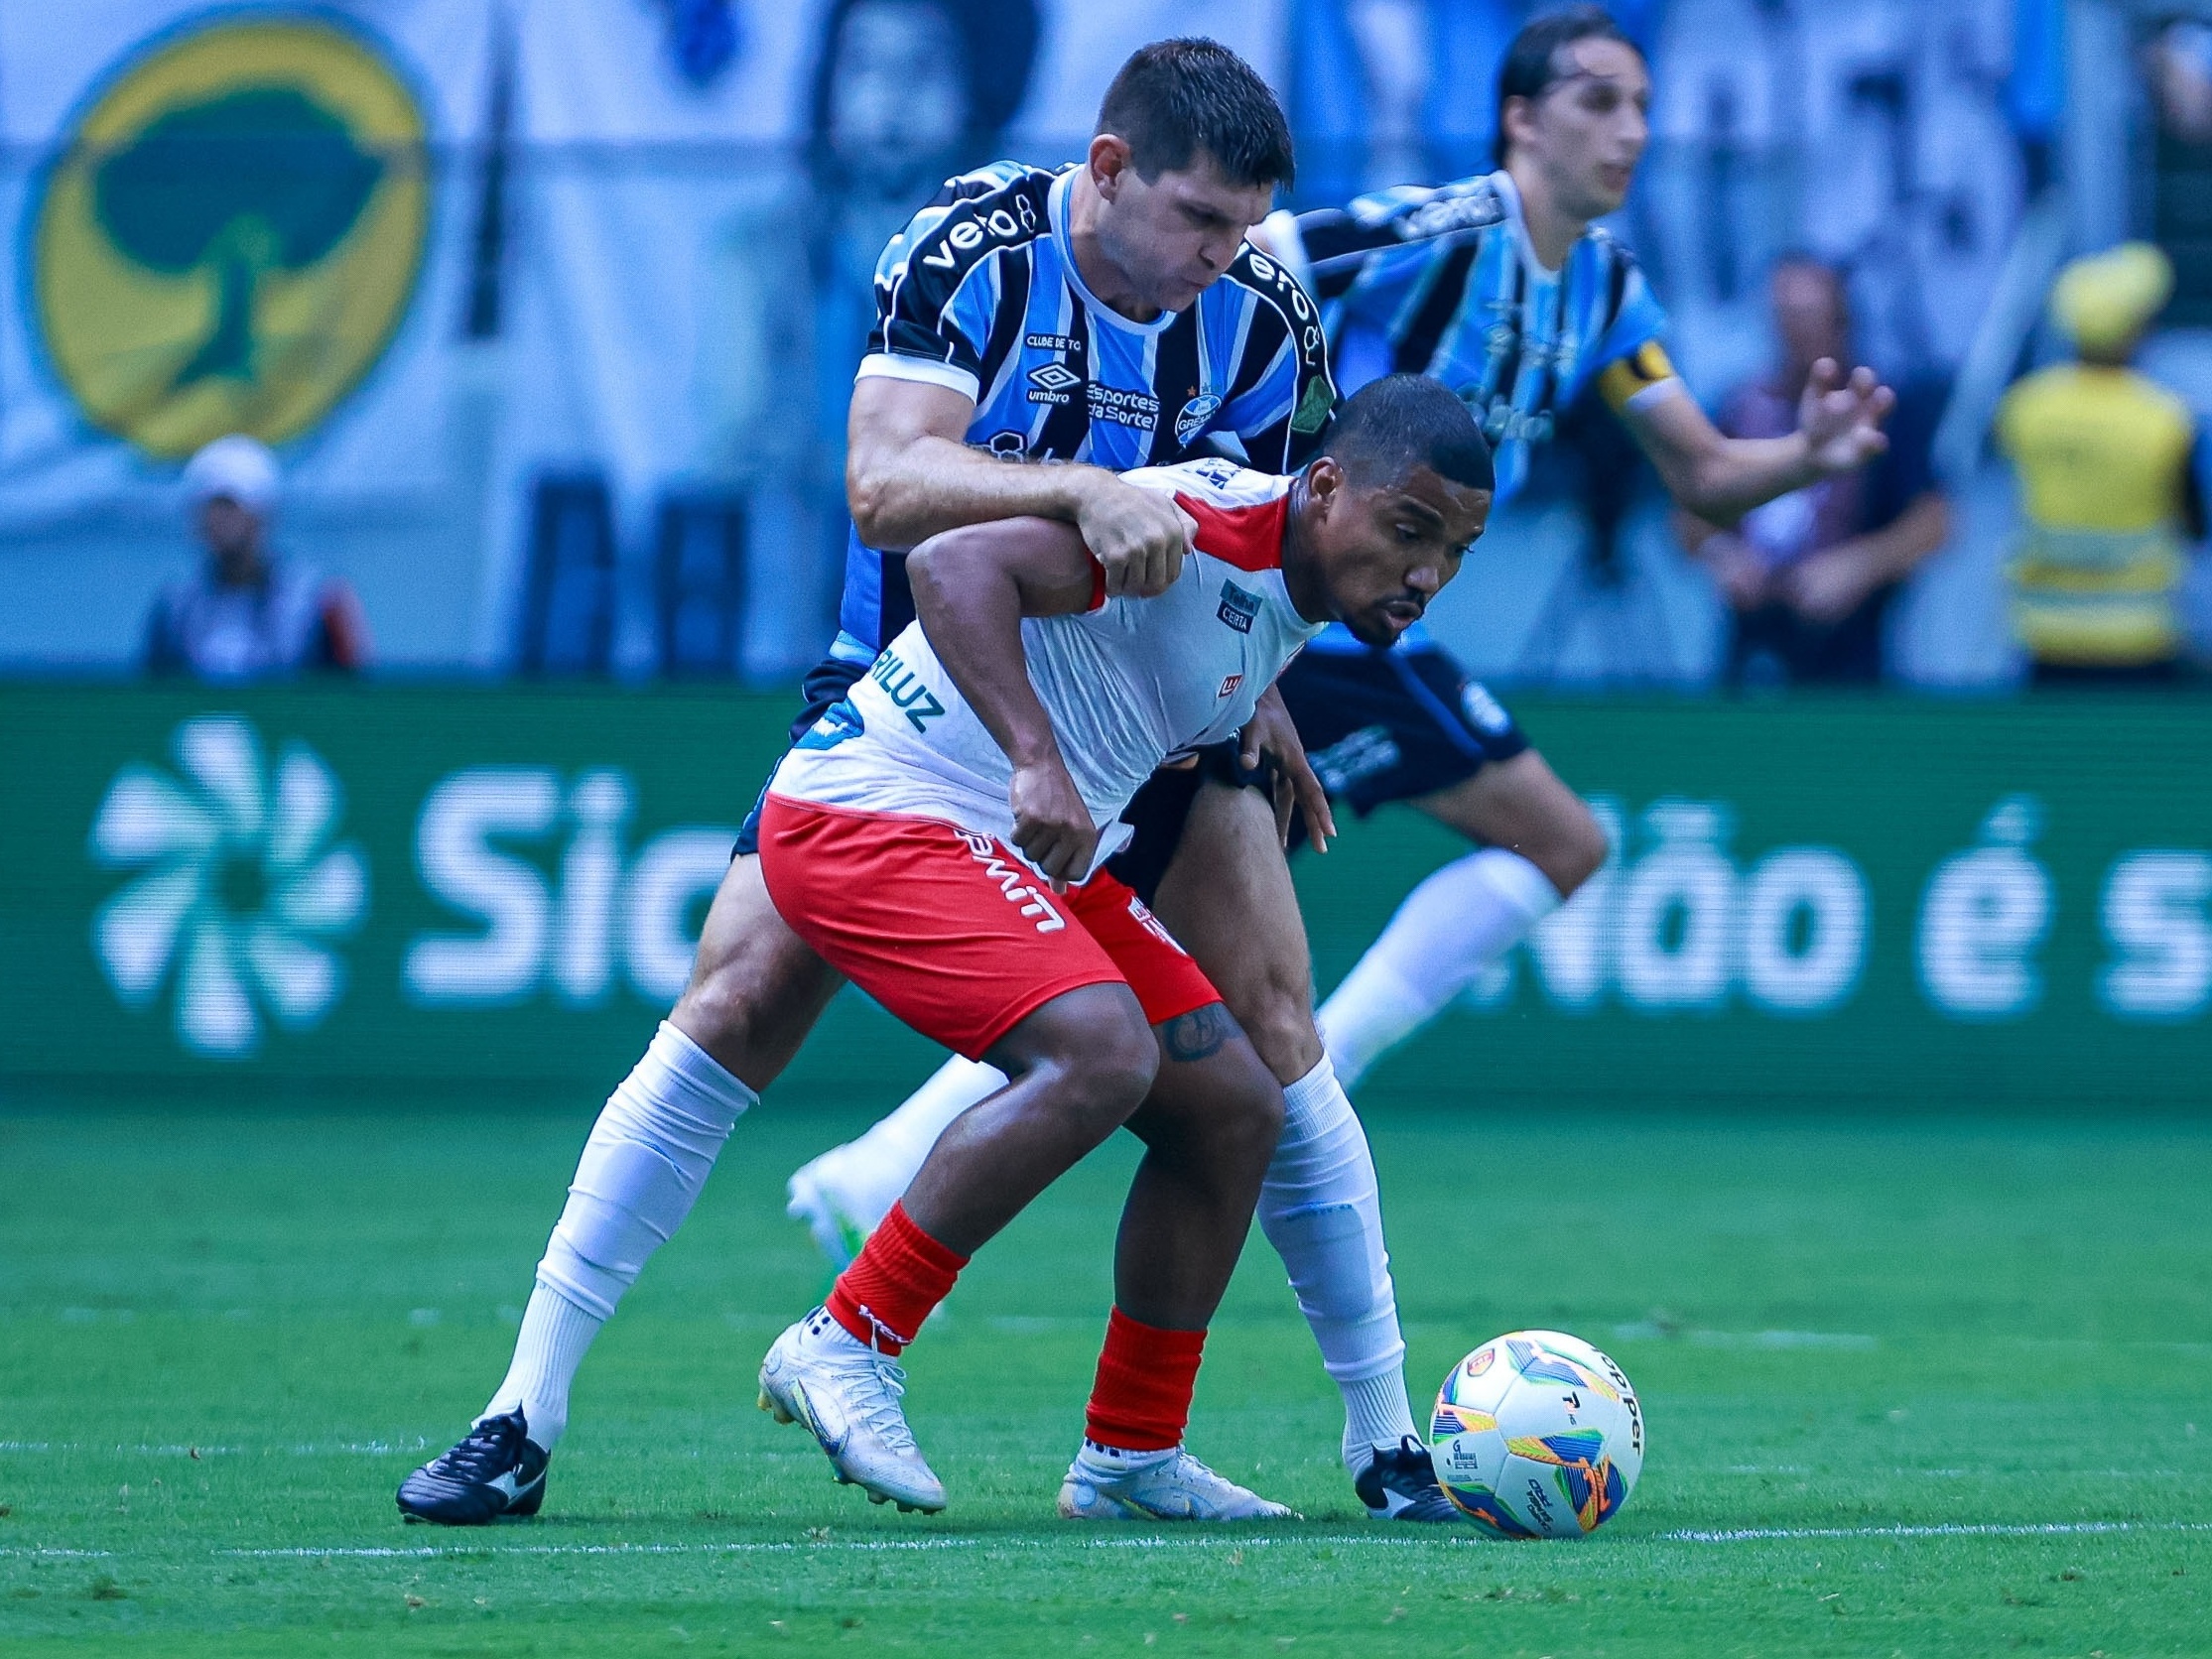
point(939, 837)
point(888, 843)
point(1502, 288)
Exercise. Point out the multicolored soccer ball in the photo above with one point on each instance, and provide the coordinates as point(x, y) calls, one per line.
point(1537, 1435)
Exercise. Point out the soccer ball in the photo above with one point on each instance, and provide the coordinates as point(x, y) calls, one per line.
point(1537, 1435)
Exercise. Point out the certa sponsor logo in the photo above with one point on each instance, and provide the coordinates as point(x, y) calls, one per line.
point(1014, 881)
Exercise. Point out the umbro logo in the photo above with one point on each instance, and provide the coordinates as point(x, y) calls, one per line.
point(1052, 382)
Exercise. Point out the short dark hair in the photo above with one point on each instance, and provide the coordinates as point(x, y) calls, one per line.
point(1531, 68)
point(1388, 427)
point(1174, 100)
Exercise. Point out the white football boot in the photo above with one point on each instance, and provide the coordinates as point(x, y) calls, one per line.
point(847, 1396)
point(1108, 1485)
point(840, 1226)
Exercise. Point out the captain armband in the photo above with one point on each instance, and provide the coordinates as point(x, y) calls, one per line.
point(1638, 380)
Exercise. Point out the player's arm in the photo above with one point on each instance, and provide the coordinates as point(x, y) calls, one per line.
point(1296, 787)
point(972, 585)
point(1720, 478)
point(1329, 249)
point(909, 474)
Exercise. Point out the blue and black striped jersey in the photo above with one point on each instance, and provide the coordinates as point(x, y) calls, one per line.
point(1443, 281)
point(981, 294)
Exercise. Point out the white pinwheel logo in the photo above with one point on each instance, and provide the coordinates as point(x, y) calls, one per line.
point(241, 891)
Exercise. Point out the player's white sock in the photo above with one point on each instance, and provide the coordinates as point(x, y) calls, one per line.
point(554, 1336)
point(1449, 928)
point(649, 1154)
point(870, 1174)
point(1320, 1209)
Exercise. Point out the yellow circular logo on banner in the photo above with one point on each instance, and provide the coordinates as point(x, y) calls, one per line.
point(228, 240)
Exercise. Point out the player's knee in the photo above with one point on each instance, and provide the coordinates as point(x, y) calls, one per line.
point(1101, 1055)
point(746, 998)
point(1115, 1068)
point(1275, 1008)
point(1250, 1117)
point(714, 1011)
point(1574, 849)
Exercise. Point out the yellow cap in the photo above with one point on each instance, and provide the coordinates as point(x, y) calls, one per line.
point(2106, 300)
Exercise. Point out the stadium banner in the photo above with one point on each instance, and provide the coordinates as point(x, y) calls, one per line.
point(237, 217)
point(341, 892)
point(698, 213)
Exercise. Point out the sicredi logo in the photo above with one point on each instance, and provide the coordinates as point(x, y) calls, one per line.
point(242, 892)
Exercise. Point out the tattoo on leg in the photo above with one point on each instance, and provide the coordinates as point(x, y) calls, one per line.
point(1199, 1033)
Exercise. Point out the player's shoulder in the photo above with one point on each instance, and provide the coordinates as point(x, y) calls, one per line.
point(1256, 273)
point(1280, 309)
point(1241, 514)
point(1216, 481)
point(1619, 280)
point(974, 217)
point(1612, 256)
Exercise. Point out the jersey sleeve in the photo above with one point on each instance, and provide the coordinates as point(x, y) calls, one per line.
point(936, 292)
point(1280, 397)
point(1630, 362)
point(1385, 235)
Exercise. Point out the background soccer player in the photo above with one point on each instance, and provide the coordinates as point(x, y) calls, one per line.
point(1502, 288)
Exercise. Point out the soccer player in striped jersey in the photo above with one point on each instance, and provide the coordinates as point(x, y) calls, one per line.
point(1503, 287)
point(1099, 317)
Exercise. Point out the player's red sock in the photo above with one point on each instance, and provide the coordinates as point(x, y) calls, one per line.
point(1142, 1397)
point(896, 1281)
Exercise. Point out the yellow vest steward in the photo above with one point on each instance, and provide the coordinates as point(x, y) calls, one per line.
point(2102, 454)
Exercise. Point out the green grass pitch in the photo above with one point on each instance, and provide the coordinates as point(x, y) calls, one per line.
point(1912, 1389)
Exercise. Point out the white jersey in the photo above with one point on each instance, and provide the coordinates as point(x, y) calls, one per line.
point(1128, 684)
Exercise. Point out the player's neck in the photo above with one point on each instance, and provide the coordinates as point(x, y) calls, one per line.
point(1302, 579)
point(1552, 231)
point(1104, 279)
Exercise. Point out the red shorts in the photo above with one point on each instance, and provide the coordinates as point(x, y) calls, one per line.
point(951, 932)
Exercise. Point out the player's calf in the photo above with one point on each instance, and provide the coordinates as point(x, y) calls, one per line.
point(1079, 1065)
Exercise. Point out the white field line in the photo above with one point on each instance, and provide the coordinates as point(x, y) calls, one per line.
point(881, 1546)
point(431, 1552)
point(1947, 1529)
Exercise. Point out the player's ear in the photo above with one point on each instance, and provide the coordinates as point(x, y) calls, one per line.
point(1325, 480)
point(1108, 161)
point(1518, 120)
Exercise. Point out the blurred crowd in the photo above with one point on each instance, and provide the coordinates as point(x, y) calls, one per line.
point(622, 454)
point(2110, 471)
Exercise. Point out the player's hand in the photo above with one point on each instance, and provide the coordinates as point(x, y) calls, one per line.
point(1841, 419)
point(1270, 732)
point(1828, 585)
point(1737, 570)
point(1139, 535)
point(1052, 825)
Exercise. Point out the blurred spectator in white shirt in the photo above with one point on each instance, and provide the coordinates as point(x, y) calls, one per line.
point(247, 614)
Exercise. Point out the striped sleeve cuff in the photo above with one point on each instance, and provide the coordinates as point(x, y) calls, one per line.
point(885, 365)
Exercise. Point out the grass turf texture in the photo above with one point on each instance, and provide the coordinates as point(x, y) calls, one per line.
point(223, 1339)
